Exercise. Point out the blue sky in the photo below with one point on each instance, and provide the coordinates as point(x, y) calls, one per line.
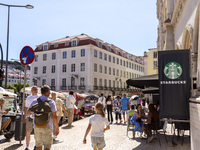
point(128, 24)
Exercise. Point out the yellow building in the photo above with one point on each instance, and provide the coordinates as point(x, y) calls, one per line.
point(151, 62)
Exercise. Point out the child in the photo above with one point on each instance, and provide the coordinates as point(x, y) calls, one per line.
point(98, 123)
point(117, 109)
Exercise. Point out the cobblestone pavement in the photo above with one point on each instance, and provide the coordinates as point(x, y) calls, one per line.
point(116, 139)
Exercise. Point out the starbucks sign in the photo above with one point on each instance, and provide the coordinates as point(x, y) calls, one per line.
point(173, 70)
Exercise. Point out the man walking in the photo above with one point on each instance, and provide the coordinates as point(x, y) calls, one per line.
point(43, 135)
point(70, 101)
point(103, 100)
point(125, 106)
point(28, 118)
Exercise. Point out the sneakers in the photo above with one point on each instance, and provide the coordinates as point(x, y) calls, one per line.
point(150, 139)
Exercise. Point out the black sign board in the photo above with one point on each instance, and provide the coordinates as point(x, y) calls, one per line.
point(174, 83)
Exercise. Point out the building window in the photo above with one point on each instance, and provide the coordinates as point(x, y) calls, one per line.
point(35, 82)
point(113, 71)
point(53, 56)
point(74, 43)
point(100, 68)
point(105, 83)
point(100, 82)
point(35, 70)
point(117, 52)
point(82, 66)
point(73, 67)
point(64, 55)
point(95, 67)
point(44, 69)
point(44, 57)
point(72, 81)
point(73, 54)
point(120, 62)
point(127, 75)
point(53, 69)
point(95, 53)
point(95, 81)
point(109, 58)
point(124, 63)
point(120, 73)
point(100, 44)
point(129, 64)
point(67, 44)
point(124, 74)
point(55, 45)
point(45, 47)
point(155, 54)
point(64, 82)
point(117, 60)
point(155, 64)
point(64, 68)
point(117, 72)
point(36, 58)
point(43, 81)
point(100, 55)
point(113, 59)
point(109, 70)
point(132, 66)
point(109, 83)
point(82, 81)
point(40, 48)
point(109, 49)
point(114, 84)
point(82, 52)
point(105, 69)
point(105, 56)
point(53, 82)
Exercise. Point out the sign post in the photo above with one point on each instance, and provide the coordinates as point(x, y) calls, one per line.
point(27, 56)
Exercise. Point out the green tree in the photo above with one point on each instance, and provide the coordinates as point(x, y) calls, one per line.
point(19, 87)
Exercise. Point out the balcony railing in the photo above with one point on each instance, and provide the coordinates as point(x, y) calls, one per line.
point(81, 87)
point(53, 88)
point(105, 88)
point(101, 88)
point(95, 87)
point(72, 87)
point(63, 87)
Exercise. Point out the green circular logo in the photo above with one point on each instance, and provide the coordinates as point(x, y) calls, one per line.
point(173, 70)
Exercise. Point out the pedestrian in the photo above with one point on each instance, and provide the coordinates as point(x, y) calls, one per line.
point(139, 100)
point(99, 124)
point(109, 105)
point(117, 109)
point(60, 108)
point(103, 100)
point(28, 117)
point(125, 106)
point(81, 106)
point(43, 134)
point(5, 121)
point(70, 101)
point(143, 101)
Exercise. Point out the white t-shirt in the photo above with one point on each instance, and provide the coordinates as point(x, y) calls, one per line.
point(98, 125)
point(103, 100)
point(70, 100)
point(29, 100)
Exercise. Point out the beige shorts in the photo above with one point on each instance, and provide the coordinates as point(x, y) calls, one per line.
point(29, 124)
point(43, 136)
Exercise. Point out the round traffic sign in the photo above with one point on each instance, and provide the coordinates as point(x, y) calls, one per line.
point(27, 55)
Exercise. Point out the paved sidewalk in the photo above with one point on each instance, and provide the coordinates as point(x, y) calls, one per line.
point(116, 139)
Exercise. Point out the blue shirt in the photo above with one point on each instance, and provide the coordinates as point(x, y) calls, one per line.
point(124, 102)
point(117, 107)
point(53, 109)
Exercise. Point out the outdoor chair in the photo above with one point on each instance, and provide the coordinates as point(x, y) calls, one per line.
point(130, 127)
point(156, 127)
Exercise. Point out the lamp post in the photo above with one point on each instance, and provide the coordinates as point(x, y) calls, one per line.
point(1, 63)
point(27, 6)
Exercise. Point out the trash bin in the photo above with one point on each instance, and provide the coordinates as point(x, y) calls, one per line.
point(17, 129)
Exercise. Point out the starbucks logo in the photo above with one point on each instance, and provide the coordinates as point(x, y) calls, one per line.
point(173, 70)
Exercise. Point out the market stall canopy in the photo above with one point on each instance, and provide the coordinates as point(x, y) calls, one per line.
point(4, 92)
point(144, 81)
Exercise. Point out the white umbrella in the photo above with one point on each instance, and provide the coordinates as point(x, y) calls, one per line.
point(134, 97)
point(5, 92)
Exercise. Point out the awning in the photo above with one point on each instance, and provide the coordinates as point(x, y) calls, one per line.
point(144, 81)
point(150, 90)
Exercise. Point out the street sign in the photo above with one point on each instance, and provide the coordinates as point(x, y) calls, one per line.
point(27, 55)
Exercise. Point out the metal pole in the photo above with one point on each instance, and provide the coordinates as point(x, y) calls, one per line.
point(1, 62)
point(7, 47)
point(22, 116)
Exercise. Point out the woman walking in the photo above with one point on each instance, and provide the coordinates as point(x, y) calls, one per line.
point(99, 125)
point(109, 105)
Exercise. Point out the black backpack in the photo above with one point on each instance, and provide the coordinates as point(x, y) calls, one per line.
point(41, 110)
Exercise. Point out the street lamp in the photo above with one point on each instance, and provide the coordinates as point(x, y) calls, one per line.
point(27, 6)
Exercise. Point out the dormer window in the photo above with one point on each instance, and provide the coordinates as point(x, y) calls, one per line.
point(74, 43)
point(40, 47)
point(116, 51)
point(55, 45)
point(109, 48)
point(67, 44)
point(45, 47)
point(100, 44)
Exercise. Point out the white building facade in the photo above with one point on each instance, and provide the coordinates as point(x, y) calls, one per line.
point(84, 64)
